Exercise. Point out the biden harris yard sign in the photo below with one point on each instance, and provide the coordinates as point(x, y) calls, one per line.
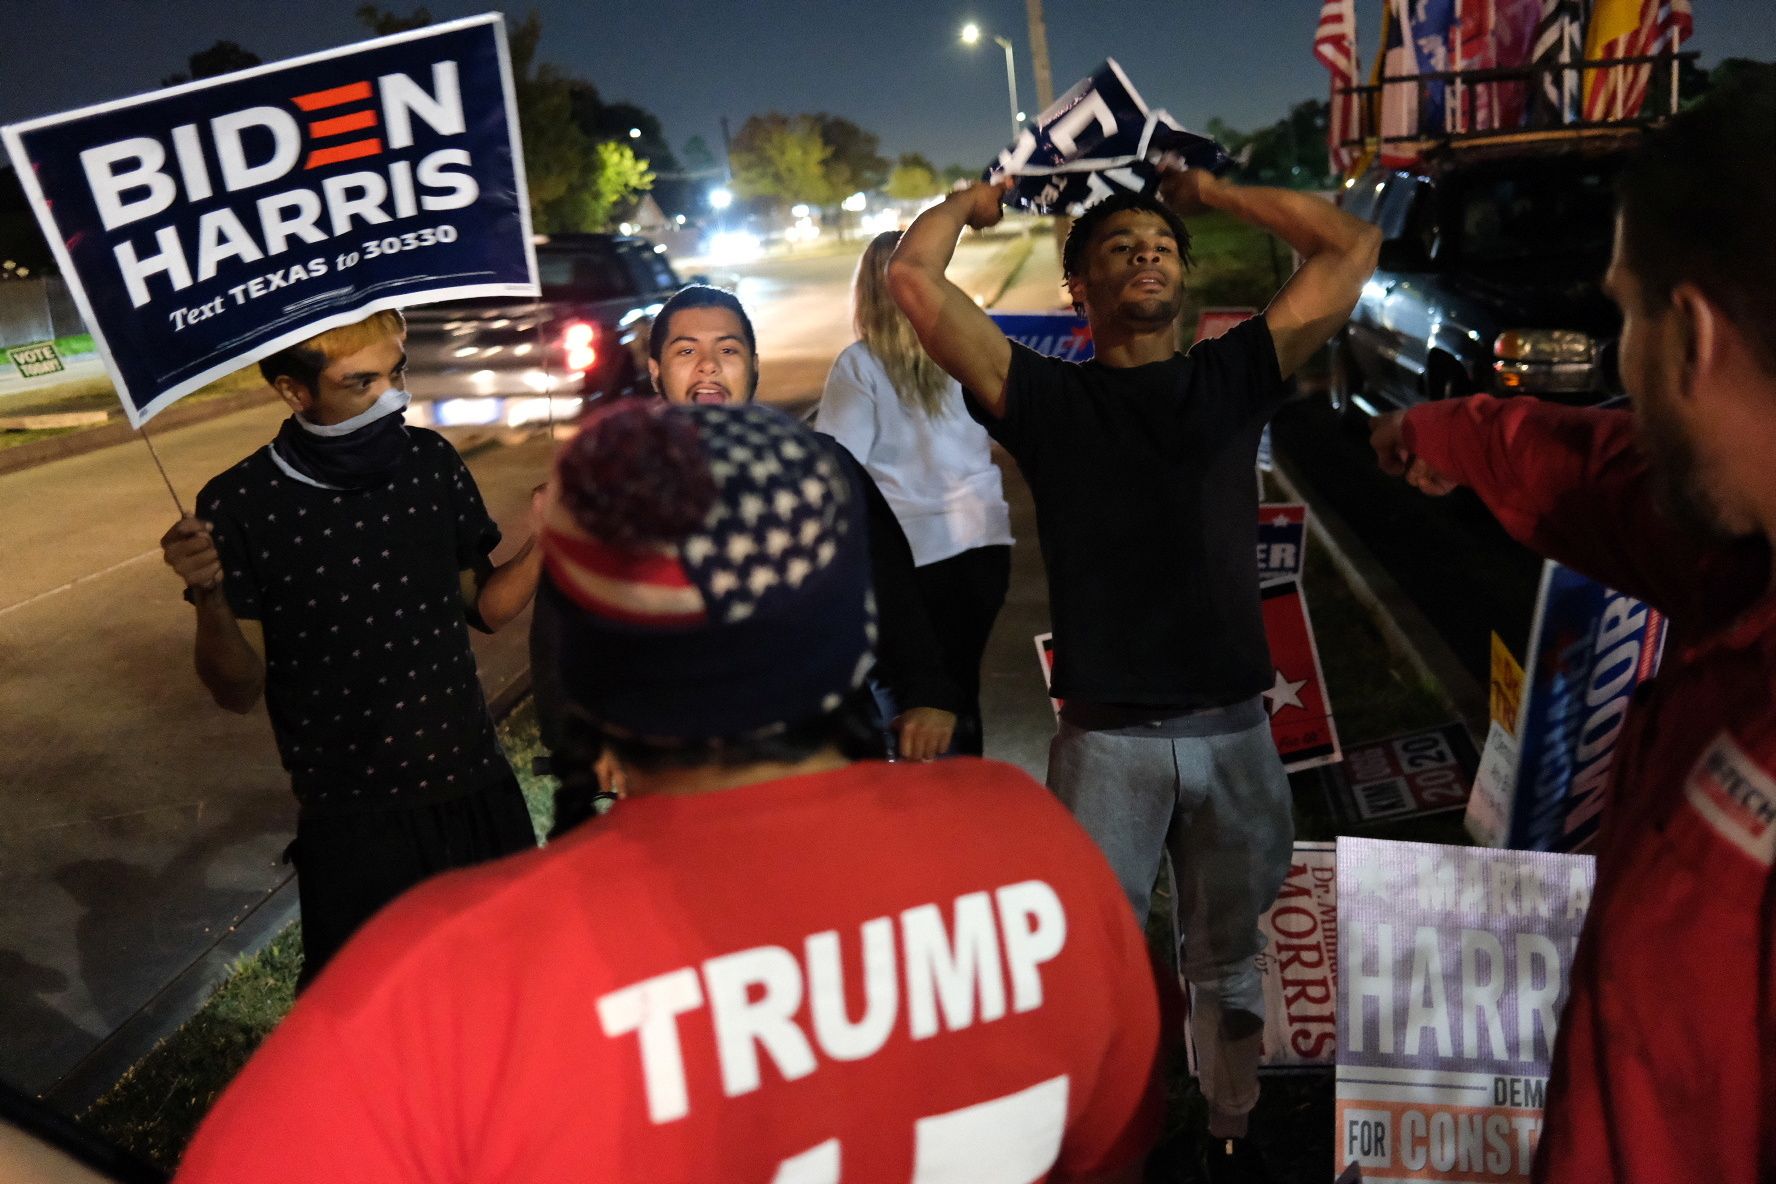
point(204, 227)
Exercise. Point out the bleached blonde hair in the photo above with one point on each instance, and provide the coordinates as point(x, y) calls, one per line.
point(305, 360)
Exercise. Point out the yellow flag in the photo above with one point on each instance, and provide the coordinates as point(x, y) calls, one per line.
point(1611, 20)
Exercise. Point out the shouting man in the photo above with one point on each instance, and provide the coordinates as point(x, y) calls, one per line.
point(703, 351)
point(1141, 462)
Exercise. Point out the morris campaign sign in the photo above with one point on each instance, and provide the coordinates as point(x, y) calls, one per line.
point(1453, 968)
point(1298, 965)
point(203, 227)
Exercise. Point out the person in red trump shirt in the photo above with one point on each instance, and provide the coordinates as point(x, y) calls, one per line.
point(769, 962)
point(1665, 1064)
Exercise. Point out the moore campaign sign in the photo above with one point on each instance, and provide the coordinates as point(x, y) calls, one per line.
point(206, 226)
point(1452, 972)
point(1590, 647)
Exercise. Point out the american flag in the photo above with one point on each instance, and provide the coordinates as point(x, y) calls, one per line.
point(1558, 41)
point(1626, 29)
point(1335, 45)
point(1672, 27)
point(1475, 50)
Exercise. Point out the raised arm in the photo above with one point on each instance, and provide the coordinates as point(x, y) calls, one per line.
point(1337, 255)
point(951, 326)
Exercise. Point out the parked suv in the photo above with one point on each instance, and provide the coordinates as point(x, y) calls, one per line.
point(1490, 277)
point(586, 336)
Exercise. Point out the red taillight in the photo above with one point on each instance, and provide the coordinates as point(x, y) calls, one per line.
point(576, 344)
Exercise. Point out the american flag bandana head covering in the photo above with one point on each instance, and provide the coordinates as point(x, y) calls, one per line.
point(718, 562)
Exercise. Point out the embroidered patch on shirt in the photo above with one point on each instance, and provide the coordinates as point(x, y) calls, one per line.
point(1736, 797)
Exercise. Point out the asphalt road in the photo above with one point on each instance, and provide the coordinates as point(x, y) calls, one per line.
point(139, 823)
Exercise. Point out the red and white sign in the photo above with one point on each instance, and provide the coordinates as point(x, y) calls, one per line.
point(1298, 965)
point(1045, 657)
point(1300, 712)
point(1212, 322)
point(1407, 776)
point(1282, 541)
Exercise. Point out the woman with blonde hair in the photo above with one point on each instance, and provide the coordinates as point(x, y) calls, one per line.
point(902, 417)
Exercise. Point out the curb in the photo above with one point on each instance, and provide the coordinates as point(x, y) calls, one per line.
point(78, 443)
point(1022, 248)
point(1407, 631)
point(180, 1000)
point(173, 1004)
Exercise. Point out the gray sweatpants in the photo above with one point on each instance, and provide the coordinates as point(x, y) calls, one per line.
point(1220, 806)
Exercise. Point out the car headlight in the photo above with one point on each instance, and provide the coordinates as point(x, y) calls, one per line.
point(1544, 345)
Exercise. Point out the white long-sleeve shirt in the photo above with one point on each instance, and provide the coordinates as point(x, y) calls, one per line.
point(937, 472)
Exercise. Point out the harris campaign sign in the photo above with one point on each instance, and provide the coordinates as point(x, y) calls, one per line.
point(205, 226)
point(1453, 967)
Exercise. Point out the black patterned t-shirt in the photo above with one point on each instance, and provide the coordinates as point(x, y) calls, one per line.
point(370, 682)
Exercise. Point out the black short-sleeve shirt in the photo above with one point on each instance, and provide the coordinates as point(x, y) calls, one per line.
point(370, 682)
point(1147, 512)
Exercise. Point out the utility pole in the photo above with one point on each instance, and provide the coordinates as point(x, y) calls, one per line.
point(1045, 89)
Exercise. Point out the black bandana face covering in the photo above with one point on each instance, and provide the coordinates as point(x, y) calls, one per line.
point(359, 453)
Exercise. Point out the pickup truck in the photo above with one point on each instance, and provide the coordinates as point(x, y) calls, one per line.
point(495, 360)
point(1490, 276)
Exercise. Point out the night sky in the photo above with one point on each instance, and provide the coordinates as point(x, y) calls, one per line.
point(896, 69)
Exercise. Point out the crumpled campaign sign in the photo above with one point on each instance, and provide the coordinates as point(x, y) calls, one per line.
point(1098, 139)
point(206, 226)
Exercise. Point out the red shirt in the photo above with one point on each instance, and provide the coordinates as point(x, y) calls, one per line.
point(1665, 1066)
point(887, 972)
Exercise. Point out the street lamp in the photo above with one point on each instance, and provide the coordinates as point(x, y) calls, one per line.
point(720, 199)
point(971, 35)
point(635, 133)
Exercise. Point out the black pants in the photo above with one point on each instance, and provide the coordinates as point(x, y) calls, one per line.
point(963, 595)
point(349, 865)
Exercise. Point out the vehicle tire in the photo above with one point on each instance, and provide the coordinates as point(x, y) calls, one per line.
point(1445, 379)
point(1343, 382)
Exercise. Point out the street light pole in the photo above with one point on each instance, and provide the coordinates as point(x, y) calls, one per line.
point(1010, 85)
point(971, 35)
